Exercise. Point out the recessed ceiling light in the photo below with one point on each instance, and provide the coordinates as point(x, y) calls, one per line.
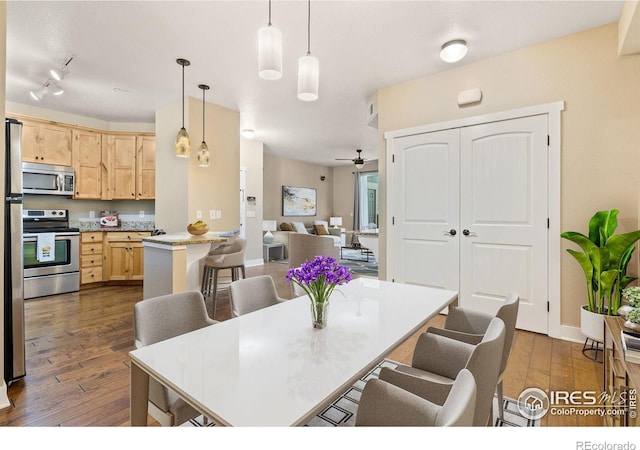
point(453, 51)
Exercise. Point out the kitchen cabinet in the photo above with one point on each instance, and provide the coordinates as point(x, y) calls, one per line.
point(621, 378)
point(91, 257)
point(146, 168)
point(86, 152)
point(131, 166)
point(45, 142)
point(124, 255)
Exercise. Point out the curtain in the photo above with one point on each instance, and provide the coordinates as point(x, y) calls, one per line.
point(356, 206)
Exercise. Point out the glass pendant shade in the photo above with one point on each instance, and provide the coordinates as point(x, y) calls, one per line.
point(308, 78)
point(359, 163)
point(183, 145)
point(203, 155)
point(269, 53)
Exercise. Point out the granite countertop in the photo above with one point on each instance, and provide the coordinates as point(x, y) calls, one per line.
point(94, 225)
point(184, 238)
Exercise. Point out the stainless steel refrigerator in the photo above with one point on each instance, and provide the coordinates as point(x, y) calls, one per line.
point(14, 357)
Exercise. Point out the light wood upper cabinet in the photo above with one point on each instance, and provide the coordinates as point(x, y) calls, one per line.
point(87, 162)
point(45, 143)
point(122, 166)
point(146, 168)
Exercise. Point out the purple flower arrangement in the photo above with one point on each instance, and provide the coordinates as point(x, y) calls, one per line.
point(318, 278)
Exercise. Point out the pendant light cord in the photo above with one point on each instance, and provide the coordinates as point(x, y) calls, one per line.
point(269, 13)
point(182, 96)
point(309, 29)
point(203, 90)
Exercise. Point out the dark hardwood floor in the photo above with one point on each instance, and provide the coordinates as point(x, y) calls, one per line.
point(78, 365)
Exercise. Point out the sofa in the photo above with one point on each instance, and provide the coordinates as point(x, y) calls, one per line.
point(318, 227)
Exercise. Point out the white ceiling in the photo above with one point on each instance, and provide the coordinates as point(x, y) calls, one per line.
point(124, 66)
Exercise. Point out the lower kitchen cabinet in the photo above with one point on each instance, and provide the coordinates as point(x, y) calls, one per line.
point(91, 257)
point(124, 255)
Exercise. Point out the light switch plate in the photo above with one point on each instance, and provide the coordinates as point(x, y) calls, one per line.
point(92, 214)
point(142, 214)
point(212, 214)
point(198, 214)
point(218, 214)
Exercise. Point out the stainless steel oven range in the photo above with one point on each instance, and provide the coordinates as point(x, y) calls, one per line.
point(51, 253)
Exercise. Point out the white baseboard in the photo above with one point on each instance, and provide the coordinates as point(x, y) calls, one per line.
point(254, 262)
point(573, 334)
point(4, 398)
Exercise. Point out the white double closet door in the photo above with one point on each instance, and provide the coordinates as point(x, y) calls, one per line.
point(470, 214)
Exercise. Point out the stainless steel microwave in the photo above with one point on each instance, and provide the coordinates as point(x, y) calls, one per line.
point(47, 179)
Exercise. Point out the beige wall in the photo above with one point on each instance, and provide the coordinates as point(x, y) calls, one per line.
point(600, 125)
point(280, 172)
point(183, 188)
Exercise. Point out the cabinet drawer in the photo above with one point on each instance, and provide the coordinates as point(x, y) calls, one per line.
point(127, 236)
point(91, 260)
point(90, 275)
point(93, 236)
point(91, 249)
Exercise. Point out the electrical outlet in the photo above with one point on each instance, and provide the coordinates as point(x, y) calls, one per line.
point(212, 214)
point(142, 214)
point(198, 214)
point(218, 214)
point(92, 214)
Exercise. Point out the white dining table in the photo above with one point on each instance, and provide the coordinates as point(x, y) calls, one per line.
point(271, 367)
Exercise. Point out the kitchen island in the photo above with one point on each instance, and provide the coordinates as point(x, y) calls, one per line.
point(173, 261)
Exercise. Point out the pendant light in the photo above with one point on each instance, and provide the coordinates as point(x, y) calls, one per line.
point(183, 145)
point(269, 51)
point(308, 70)
point(203, 151)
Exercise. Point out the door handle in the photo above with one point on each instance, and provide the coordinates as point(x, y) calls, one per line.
point(468, 233)
point(451, 232)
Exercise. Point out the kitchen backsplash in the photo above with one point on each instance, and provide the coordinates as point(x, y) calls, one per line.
point(127, 222)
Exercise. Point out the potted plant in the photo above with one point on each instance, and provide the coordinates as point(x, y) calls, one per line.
point(632, 297)
point(604, 259)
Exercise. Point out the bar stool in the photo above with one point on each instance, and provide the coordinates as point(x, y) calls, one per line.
point(223, 257)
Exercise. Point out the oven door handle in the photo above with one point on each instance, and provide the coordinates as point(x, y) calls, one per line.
point(34, 236)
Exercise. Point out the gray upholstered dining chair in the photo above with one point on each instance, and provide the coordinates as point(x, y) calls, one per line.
point(437, 360)
point(252, 294)
point(159, 318)
point(305, 247)
point(384, 404)
point(470, 326)
point(221, 258)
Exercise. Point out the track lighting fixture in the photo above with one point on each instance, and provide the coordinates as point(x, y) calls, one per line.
point(59, 73)
point(51, 86)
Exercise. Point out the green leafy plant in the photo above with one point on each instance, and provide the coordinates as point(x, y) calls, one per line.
point(604, 260)
point(632, 296)
point(634, 315)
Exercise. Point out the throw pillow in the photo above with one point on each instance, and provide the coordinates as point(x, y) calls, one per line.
point(335, 231)
point(284, 226)
point(320, 230)
point(298, 227)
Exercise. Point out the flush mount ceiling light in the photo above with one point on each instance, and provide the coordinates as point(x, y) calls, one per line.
point(269, 51)
point(59, 73)
point(308, 69)
point(248, 133)
point(183, 145)
point(203, 151)
point(453, 51)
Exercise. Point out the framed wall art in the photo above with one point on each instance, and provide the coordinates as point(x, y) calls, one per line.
point(297, 201)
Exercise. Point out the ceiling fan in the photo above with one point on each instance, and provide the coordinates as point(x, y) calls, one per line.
point(358, 161)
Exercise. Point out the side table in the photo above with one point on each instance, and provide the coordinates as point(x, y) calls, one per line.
point(272, 251)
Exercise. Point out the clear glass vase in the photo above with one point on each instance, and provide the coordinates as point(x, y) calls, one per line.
point(319, 313)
